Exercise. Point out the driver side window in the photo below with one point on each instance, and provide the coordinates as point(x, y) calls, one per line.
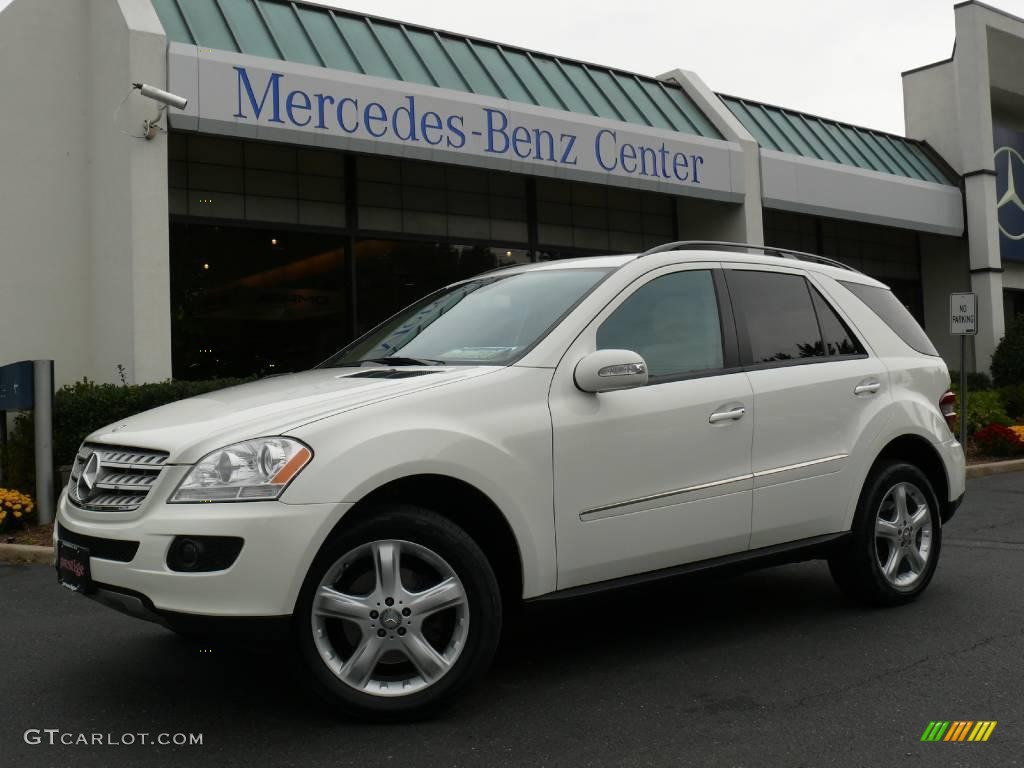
point(672, 321)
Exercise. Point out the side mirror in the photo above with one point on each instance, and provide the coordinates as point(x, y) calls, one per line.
point(610, 369)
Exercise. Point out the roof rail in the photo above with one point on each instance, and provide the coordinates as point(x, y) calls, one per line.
point(768, 250)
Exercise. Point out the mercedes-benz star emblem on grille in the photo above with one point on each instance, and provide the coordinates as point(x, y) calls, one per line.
point(1010, 208)
point(87, 480)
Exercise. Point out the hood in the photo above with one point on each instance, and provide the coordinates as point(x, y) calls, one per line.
point(189, 429)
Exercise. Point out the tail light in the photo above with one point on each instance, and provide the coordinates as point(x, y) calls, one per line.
point(947, 404)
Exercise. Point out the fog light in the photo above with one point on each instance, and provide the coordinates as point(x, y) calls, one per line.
point(202, 554)
point(189, 552)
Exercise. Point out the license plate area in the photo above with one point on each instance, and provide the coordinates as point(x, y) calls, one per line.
point(73, 567)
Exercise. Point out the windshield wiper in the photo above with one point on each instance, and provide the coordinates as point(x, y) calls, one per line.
point(402, 361)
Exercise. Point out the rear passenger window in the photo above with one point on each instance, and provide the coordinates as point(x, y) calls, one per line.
point(838, 338)
point(775, 316)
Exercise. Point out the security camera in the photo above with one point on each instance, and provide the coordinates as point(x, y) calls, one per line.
point(164, 97)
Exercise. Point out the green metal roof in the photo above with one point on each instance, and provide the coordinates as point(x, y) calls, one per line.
point(798, 133)
point(311, 34)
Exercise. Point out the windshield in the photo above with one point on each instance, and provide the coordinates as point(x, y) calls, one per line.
point(489, 321)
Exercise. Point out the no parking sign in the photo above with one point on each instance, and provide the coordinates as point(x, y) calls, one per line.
point(963, 314)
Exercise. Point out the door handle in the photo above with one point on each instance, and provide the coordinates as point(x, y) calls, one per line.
point(731, 415)
point(867, 388)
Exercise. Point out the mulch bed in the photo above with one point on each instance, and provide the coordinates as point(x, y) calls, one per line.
point(39, 535)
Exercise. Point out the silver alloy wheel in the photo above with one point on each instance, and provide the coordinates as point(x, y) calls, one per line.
point(903, 535)
point(390, 618)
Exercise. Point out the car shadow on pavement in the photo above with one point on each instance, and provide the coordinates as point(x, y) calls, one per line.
point(553, 648)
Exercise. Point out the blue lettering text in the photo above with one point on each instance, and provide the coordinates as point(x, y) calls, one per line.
point(298, 100)
point(455, 123)
point(430, 126)
point(608, 166)
point(341, 114)
point(273, 88)
point(372, 115)
point(496, 131)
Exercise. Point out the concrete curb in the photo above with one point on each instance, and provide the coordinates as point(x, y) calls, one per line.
point(995, 468)
point(22, 554)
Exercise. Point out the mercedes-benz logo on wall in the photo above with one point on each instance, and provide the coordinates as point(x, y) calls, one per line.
point(1010, 207)
point(87, 480)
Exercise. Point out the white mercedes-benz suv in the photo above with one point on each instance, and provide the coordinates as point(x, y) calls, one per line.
point(541, 430)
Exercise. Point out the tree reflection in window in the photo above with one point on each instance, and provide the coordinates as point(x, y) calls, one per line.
point(784, 318)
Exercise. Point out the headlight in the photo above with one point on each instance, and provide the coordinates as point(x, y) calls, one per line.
point(255, 470)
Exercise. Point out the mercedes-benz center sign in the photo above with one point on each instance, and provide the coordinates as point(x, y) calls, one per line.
point(252, 97)
point(1009, 164)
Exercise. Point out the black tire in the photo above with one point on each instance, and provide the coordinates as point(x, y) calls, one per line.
point(856, 565)
point(405, 523)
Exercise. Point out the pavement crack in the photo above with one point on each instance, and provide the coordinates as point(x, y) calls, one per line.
point(901, 670)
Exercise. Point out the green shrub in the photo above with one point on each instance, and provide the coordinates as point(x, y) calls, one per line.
point(1008, 359)
point(975, 380)
point(1013, 400)
point(984, 408)
point(84, 407)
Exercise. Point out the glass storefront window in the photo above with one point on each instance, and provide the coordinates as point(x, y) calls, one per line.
point(452, 202)
point(261, 271)
point(886, 253)
point(1013, 305)
point(220, 178)
point(391, 274)
point(796, 231)
point(255, 301)
point(573, 215)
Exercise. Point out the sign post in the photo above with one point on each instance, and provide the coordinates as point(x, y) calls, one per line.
point(46, 506)
point(963, 322)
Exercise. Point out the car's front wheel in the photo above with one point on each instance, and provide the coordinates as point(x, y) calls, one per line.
point(896, 537)
point(398, 613)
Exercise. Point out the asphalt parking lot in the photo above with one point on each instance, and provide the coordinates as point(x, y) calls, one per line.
point(766, 669)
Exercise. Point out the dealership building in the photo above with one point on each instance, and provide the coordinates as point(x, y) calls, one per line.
point(331, 167)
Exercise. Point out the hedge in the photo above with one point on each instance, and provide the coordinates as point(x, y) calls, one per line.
point(1008, 359)
point(84, 407)
point(975, 380)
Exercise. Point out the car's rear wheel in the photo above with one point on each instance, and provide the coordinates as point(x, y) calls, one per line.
point(896, 537)
point(397, 615)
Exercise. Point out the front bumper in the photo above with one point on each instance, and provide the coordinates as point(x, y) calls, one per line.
point(280, 542)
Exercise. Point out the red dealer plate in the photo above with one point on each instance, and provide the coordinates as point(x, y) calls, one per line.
point(73, 567)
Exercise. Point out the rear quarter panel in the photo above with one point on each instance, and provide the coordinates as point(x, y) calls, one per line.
point(916, 382)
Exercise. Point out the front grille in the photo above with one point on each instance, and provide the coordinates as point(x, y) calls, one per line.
point(118, 480)
point(105, 549)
